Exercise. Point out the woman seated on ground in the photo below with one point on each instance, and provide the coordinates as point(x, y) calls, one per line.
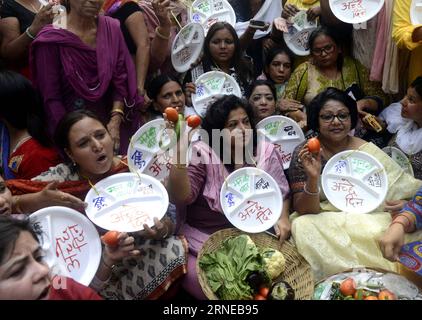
point(329, 240)
point(165, 91)
point(195, 189)
point(25, 276)
point(89, 67)
point(261, 96)
point(89, 147)
point(26, 149)
point(222, 52)
point(329, 68)
point(404, 120)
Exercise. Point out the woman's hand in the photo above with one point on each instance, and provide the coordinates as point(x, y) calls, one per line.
point(311, 163)
point(394, 206)
point(369, 105)
point(43, 17)
point(392, 241)
point(287, 105)
point(282, 229)
point(289, 11)
point(159, 231)
point(280, 24)
point(313, 13)
point(114, 128)
point(190, 88)
point(50, 196)
point(125, 248)
point(162, 10)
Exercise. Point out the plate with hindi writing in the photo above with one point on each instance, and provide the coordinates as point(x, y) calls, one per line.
point(251, 200)
point(210, 85)
point(208, 12)
point(400, 158)
point(354, 181)
point(355, 11)
point(284, 133)
point(70, 241)
point(187, 46)
point(148, 150)
point(126, 201)
point(416, 12)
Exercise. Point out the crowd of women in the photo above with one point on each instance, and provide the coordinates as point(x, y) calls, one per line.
point(72, 97)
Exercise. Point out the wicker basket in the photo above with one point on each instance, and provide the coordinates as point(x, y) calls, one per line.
point(298, 272)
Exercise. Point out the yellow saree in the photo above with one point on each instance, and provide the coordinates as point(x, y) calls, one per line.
point(333, 241)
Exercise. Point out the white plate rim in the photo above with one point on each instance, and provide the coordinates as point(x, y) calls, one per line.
point(338, 157)
point(401, 153)
point(225, 3)
point(359, 20)
point(198, 28)
point(95, 243)
point(414, 18)
point(125, 176)
point(267, 176)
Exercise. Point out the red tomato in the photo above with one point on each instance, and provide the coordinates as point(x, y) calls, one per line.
point(313, 145)
point(264, 291)
point(111, 238)
point(386, 295)
point(171, 114)
point(259, 297)
point(194, 121)
point(348, 287)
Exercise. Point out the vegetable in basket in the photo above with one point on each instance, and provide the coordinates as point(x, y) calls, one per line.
point(281, 290)
point(227, 268)
point(274, 262)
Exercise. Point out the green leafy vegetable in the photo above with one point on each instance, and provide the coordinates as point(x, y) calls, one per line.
point(227, 268)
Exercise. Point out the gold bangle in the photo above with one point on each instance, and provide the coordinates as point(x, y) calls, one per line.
point(118, 110)
point(160, 35)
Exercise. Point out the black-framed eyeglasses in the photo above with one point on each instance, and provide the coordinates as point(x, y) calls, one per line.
point(329, 48)
point(330, 117)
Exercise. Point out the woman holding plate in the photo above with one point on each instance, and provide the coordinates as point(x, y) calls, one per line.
point(195, 189)
point(89, 148)
point(333, 241)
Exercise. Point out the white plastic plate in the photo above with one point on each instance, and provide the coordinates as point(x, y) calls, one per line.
point(297, 41)
point(70, 241)
point(211, 84)
point(251, 200)
point(416, 12)
point(355, 11)
point(400, 158)
point(207, 12)
point(355, 182)
point(282, 131)
point(145, 154)
point(187, 46)
point(126, 201)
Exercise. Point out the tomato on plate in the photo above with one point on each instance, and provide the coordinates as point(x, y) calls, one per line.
point(259, 297)
point(386, 295)
point(264, 291)
point(348, 287)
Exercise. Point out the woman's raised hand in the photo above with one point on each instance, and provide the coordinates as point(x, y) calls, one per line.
point(124, 248)
point(53, 197)
point(162, 9)
point(43, 17)
point(392, 241)
point(311, 162)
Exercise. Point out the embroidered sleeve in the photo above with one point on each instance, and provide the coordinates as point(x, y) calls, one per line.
point(414, 208)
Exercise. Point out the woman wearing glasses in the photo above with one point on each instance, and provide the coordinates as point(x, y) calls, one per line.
point(328, 67)
point(333, 241)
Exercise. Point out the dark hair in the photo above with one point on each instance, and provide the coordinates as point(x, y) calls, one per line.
point(417, 85)
point(10, 229)
point(61, 135)
point(315, 106)
point(21, 106)
point(272, 53)
point(155, 85)
point(330, 32)
point(258, 83)
point(218, 113)
point(240, 64)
